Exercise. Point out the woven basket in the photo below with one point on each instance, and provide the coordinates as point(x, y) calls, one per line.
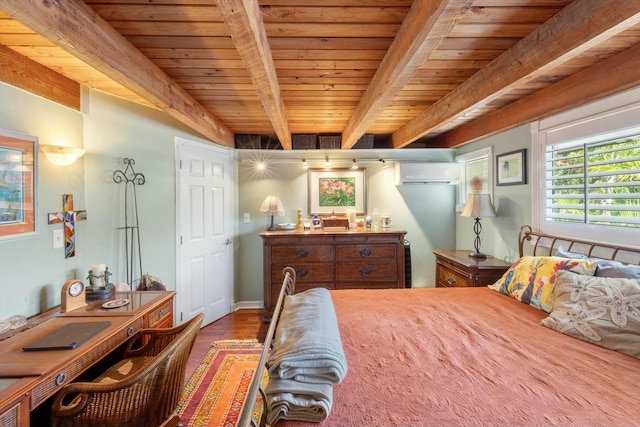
point(328, 142)
point(304, 142)
point(365, 141)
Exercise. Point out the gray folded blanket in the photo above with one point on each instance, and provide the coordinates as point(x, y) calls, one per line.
point(293, 400)
point(307, 346)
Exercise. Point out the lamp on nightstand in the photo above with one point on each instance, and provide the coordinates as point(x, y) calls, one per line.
point(272, 206)
point(478, 206)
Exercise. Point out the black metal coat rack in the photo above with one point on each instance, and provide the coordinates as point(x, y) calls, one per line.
point(131, 179)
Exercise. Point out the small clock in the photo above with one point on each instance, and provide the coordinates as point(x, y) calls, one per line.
point(73, 296)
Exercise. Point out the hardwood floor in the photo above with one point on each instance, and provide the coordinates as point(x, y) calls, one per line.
point(239, 325)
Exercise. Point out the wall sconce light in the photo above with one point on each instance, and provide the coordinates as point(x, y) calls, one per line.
point(354, 165)
point(61, 155)
point(305, 165)
point(384, 163)
point(327, 163)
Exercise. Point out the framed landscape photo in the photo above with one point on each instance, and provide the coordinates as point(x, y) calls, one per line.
point(511, 168)
point(18, 185)
point(336, 191)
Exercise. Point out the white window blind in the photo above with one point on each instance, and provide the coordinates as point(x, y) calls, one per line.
point(476, 164)
point(594, 183)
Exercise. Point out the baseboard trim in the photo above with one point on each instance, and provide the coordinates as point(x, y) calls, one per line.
point(244, 305)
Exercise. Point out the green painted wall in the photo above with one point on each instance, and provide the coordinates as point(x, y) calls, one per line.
point(31, 272)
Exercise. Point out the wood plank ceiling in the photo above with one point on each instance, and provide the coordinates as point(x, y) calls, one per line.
point(421, 73)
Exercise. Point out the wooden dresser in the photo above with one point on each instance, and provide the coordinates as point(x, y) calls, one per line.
point(456, 268)
point(342, 259)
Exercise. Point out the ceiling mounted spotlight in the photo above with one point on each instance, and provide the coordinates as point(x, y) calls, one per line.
point(305, 165)
point(327, 163)
point(354, 165)
point(384, 164)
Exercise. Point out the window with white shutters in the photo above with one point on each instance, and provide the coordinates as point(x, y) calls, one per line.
point(586, 180)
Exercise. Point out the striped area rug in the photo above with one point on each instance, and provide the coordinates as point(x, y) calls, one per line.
point(216, 391)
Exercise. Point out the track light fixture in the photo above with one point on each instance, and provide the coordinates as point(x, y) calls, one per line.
point(384, 163)
point(354, 165)
point(305, 165)
point(327, 163)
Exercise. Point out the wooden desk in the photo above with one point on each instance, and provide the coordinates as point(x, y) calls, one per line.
point(27, 379)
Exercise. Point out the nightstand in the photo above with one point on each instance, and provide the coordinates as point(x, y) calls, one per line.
point(455, 268)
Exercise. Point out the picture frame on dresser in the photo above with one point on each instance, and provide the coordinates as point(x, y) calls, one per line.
point(18, 185)
point(336, 191)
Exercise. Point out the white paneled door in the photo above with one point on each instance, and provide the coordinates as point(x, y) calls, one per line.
point(204, 241)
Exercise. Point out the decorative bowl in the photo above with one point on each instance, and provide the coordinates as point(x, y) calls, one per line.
point(288, 226)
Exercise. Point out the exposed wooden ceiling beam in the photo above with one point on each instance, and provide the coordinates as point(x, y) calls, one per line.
point(75, 27)
point(244, 22)
point(573, 30)
point(421, 32)
point(24, 73)
point(607, 77)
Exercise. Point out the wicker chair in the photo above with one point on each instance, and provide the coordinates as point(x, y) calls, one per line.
point(141, 390)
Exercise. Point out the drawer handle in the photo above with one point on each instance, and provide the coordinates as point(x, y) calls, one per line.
point(302, 253)
point(61, 378)
point(366, 252)
point(161, 314)
point(130, 331)
point(302, 273)
point(366, 271)
point(451, 281)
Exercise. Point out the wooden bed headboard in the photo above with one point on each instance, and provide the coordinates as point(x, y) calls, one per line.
point(540, 244)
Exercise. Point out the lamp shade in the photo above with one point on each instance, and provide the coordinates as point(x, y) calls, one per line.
point(272, 206)
point(479, 206)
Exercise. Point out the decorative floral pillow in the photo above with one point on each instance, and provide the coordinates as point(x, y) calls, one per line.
point(532, 279)
point(601, 310)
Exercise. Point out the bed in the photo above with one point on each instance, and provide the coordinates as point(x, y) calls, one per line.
point(478, 357)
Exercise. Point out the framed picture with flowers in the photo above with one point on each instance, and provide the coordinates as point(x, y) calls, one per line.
point(336, 191)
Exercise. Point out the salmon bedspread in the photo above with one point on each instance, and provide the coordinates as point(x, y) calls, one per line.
point(471, 357)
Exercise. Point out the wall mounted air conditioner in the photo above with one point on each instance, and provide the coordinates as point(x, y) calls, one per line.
point(427, 173)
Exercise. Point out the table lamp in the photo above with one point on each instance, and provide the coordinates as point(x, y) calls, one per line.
point(478, 206)
point(272, 206)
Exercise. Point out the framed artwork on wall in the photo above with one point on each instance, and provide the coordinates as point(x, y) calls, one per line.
point(511, 168)
point(336, 191)
point(18, 185)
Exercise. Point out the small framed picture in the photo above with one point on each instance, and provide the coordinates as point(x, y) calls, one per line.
point(511, 168)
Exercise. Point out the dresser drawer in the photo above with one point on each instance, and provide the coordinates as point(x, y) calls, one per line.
point(364, 251)
point(302, 253)
point(306, 272)
point(366, 271)
point(366, 285)
point(449, 278)
point(162, 317)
